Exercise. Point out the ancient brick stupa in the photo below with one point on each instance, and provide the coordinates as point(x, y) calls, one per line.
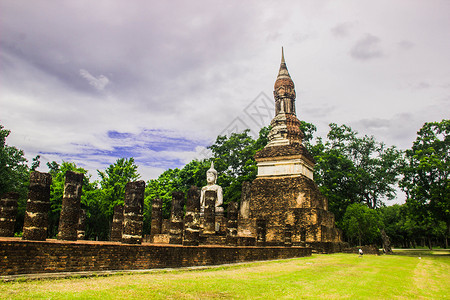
point(285, 206)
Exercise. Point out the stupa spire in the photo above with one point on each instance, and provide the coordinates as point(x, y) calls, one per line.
point(283, 73)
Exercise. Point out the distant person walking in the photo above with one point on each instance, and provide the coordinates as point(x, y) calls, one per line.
point(360, 252)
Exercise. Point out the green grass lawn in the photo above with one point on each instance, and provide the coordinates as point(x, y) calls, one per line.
point(404, 275)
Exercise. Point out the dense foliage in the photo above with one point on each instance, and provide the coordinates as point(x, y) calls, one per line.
point(353, 169)
point(426, 180)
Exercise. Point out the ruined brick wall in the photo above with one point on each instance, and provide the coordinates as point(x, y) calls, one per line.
point(22, 257)
point(287, 210)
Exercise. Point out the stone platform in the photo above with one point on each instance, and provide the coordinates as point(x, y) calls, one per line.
point(31, 257)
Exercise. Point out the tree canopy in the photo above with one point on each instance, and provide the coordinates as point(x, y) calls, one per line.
point(426, 179)
point(354, 169)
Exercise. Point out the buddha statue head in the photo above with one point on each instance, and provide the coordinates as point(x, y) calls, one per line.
point(211, 175)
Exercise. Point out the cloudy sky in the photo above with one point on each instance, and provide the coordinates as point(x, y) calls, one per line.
point(93, 81)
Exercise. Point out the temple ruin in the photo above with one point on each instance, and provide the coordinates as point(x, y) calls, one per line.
point(282, 214)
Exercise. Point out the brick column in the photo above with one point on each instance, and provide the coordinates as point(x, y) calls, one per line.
point(156, 226)
point(209, 213)
point(176, 218)
point(70, 210)
point(38, 204)
point(117, 224)
point(192, 218)
point(81, 232)
point(8, 212)
point(232, 223)
point(133, 218)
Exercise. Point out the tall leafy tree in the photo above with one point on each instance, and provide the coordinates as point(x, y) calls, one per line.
point(361, 224)
point(426, 179)
point(14, 171)
point(354, 169)
point(15, 174)
point(113, 181)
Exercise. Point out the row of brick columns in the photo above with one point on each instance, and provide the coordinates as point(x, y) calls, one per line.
point(72, 221)
point(127, 225)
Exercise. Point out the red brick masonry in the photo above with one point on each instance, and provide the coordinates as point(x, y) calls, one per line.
point(29, 257)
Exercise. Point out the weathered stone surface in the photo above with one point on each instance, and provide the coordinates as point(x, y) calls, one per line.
point(133, 219)
point(81, 232)
point(117, 224)
point(246, 225)
point(288, 235)
point(294, 201)
point(387, 249)
point(157, 217)
point(70, 210)
point(165, 226)
point(244, 210)
point(8, 212)
point(176, 218)
point(38, 205)
point(232, 222)
point(209, 212)
point(24, 257)
point(192, 218)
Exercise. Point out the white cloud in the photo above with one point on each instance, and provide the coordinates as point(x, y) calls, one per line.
point(99, 82)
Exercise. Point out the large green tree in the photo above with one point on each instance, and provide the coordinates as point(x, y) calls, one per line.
point(113, 181)
point(361, 224)
point(15, 174)
point(14, 171)
point(354, 169)
point(426, 179)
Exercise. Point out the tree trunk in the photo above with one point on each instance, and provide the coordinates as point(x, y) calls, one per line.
point(429, 243)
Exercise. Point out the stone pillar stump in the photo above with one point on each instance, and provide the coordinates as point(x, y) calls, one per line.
point(176, 218)
point(38, 204)
point(81, 232)
point(232, 222)
point(192, 218)
point(71, 205)
point(117, 224)
point(156, 225)
point(8, 212)
point(133, 218)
